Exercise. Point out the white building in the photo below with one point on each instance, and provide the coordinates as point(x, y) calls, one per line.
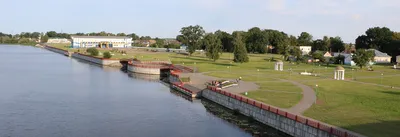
point(101, 41)
point(348, 58)
point(305, 49)
point(58, 40)
point(381, 58)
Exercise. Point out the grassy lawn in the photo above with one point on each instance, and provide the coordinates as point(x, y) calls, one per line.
point(368, 109)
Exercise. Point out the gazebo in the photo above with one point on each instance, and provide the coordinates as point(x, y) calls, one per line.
point(339, 73)
point(279, 65)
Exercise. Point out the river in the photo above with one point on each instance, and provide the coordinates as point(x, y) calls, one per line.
point(45, 94)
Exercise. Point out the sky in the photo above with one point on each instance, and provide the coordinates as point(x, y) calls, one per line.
point(164, 18)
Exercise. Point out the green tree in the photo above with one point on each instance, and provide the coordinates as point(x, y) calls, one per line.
point(293, 40)
point(318, 55)
point(92, 51)
point(103, 33)
point(361, 57)
point(319, 44)
point(280, 40)
point(239, 52)
point(44, 39)
point(51, 34)
point(295, 52)
point(121, 34)
point(191, 36)
point(376, 38)
point(133, 36)
point(226, 40)
point(145, 38)
point(213, 46)
point(305, 39)
point(396, 36)
point(35, 35)
point(160, 42)
point(256, 41)
point(107, 55)
point(337, 44)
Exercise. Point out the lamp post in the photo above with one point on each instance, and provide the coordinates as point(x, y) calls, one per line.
point(194, 69)
point(290, 73)
point(352, 74)
point(381, 78)
point(258, 70)
point(316, 92)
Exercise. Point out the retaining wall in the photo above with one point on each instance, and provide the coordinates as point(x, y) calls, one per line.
point(291, 124)
point(57, 50)
point(144, 69)
point(97, 60)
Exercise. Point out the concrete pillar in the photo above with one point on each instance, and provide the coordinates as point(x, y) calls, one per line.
point(281, 67)
point(342, 75)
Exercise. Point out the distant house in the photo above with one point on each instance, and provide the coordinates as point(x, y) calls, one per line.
point(327, 55)
point(398, 59)
point(305, 49)
point(348, 58)
point(380, 57)
point(172, 41)
point(58, 40)
point(184, 47)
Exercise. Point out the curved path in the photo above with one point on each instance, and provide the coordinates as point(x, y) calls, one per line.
point(309, 96)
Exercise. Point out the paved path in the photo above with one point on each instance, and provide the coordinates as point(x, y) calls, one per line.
point(309, 97)
point(198, 80)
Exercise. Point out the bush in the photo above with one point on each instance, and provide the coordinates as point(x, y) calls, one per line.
point(93, 51)
point(107, 55)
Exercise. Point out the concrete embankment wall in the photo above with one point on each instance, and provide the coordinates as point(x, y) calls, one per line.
point(100, 61)
point(148, 67)
point(291, 124)
point(57, 50)
point(144, 69)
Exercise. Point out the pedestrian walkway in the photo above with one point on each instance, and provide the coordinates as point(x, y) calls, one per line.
point(198, 81)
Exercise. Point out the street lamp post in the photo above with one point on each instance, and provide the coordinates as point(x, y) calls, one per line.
point(381, 78)
point(194, 69)
point(290, 73)
point(352, 74)
point(316, 92)
point(258, 70)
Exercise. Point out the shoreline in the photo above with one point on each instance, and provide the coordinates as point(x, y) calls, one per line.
point(291, 124)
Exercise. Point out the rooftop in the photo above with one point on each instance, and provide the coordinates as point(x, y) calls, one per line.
point(102, 37)
point(379, 53)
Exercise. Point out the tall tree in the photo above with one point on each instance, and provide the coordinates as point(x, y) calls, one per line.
point(256, 41)
point(213, 46)
point(305, 39)
point(239, 52)
point(319, 44)
point(226, 40)
point(327, 42)
point(133, 36)
point(278, 39)
point(80, 34)
point(363, 42)
point(293, 40)
point(337, 44)
point(44, 39)
point(51, 34)
point(396, 36)
point(361, 57)
point(191, 37)
point(295, 52)
point(103, 33)
point(145, 38)
point(121, 34)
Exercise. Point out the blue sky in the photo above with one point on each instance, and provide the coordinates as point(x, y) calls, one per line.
point(164, 18)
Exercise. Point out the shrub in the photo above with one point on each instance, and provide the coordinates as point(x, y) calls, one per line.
point(107, 55)
point(93, 51)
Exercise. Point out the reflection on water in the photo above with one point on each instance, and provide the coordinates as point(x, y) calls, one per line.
point(150, 78)
point(58, 96)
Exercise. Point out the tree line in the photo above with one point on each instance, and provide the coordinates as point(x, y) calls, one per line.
point(256, 40)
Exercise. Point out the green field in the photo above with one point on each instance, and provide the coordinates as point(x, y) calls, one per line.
point(367, 108)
